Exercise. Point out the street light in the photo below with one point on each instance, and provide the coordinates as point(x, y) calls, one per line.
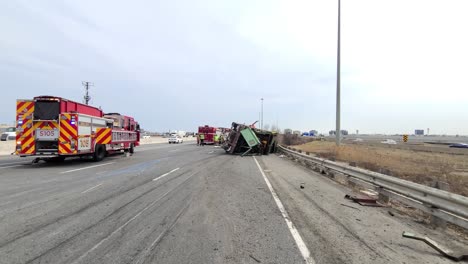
point(261, 115)
point(338, 92)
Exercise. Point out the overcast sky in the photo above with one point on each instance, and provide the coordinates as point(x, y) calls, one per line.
point(181, 64)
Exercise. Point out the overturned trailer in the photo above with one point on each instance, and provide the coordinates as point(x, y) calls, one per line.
point(243, 139)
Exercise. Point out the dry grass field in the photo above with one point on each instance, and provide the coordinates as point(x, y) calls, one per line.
point(417, 166)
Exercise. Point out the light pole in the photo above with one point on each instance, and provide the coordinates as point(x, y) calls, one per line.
point(261, 115)
point(338, 92)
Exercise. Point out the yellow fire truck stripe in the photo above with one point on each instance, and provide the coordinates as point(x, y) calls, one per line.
point(27, 104)
point(31, 150)
point(65, 133)
point(27, 142)
point(99, 134)
point(100, 137)
point(61, 150)
point(65, 123)
point(28, 131)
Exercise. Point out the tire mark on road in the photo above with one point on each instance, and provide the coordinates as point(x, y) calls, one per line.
point(163, 234)
point(119, 209)
point(80, 210)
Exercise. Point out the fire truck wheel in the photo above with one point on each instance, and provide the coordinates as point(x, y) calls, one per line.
point(99, 152)
point(131, 149)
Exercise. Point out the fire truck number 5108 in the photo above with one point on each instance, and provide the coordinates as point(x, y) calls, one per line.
point(84, 142)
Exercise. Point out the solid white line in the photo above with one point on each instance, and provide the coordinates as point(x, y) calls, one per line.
point(165, 174)
point(118, 229)
point(294, 232)
point(89, 167)
point(92, 188)
point(12, 166)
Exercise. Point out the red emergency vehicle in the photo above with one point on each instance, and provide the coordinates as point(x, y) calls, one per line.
point(50, 127)
point(209, 133)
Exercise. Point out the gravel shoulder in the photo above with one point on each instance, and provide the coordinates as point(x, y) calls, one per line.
point(338, 231)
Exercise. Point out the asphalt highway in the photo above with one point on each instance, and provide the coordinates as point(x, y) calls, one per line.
point(189, 204)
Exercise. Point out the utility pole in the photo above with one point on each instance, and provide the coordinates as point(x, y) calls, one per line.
point(87, 97)
point(261, 116)
point(338, 92)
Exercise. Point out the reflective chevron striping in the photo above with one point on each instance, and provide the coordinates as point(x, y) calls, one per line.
point(103, 136)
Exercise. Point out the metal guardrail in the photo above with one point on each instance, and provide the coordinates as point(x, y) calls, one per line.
point(446, 205)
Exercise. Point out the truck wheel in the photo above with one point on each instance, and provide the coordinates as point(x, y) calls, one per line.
point(131, 149)
point(99, 152)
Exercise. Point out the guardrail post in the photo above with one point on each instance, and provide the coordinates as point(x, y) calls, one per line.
point(385, 199)
point(438, 222)
point(341, 178)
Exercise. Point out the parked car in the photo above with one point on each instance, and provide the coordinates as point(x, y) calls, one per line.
point(175, 139)
point(9, 134)
point(389, 141)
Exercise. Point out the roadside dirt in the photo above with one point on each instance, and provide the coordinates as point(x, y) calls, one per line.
point(428, 168)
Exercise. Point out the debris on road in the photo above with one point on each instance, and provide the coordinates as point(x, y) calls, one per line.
point(254, 258)
point(281, 156)
point(390, 213)
point(444, 251)
point(363, 200)
point(350, 206)
point(302, 185)
point(243, 139)
point(369, 192)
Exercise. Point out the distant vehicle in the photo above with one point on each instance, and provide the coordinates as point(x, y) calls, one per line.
point(175, 139)
point(389, 141)
point(146, 137)
point(178, 133)
point(459, 145)
point(209, 134)
point(305, 134)
point(9, 134)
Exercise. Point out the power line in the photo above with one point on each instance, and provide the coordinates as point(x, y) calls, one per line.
point(87, 97)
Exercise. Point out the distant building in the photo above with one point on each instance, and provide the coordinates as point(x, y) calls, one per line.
point(297, 132)
point(288, 131)
point(313, 133)
point(419, 132)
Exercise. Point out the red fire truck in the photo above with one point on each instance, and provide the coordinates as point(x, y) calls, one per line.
point(53, 128)
point(209, 133)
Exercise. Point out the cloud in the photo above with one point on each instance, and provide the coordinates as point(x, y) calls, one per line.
point(180, 64)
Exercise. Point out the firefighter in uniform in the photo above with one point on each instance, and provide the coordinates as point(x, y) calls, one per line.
point(202, 138)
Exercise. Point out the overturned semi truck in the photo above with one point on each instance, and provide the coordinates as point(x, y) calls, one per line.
point(244, 139)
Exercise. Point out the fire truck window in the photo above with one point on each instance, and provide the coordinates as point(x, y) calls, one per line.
point(46, 110)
